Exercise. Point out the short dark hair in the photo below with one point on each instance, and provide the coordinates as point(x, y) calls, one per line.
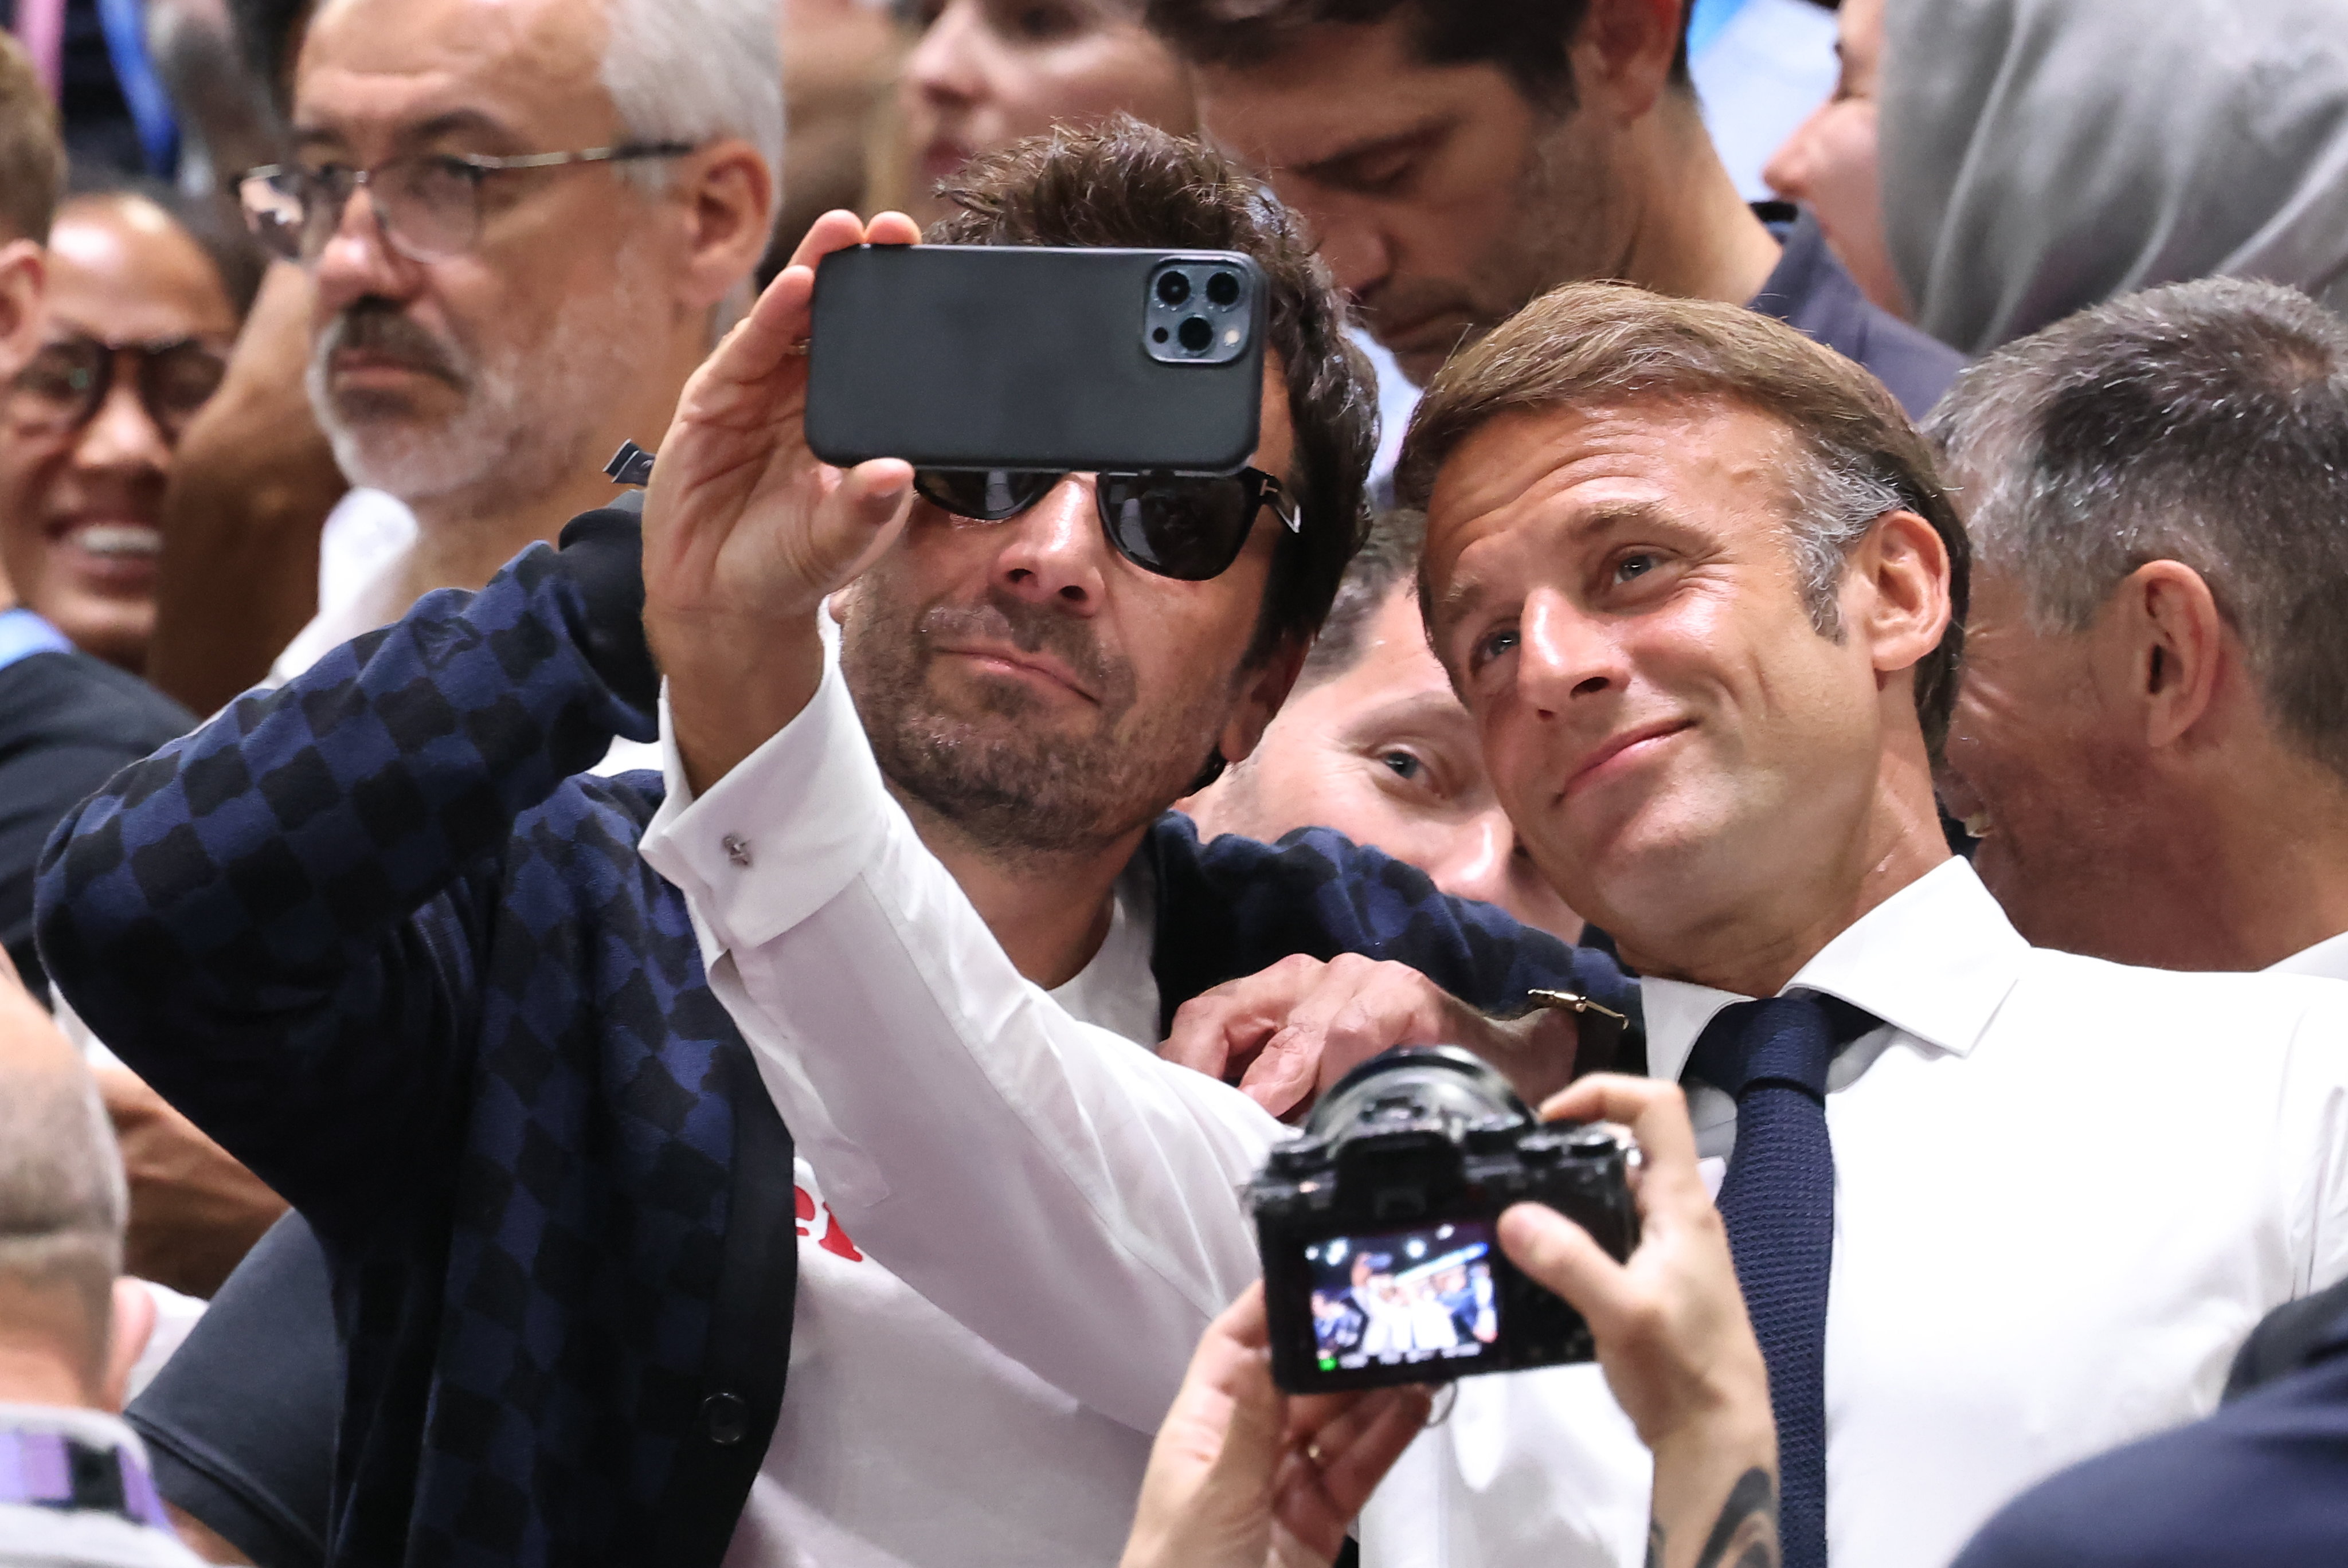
point(1125, 183)
point(2205, 423)
point(1531, 40)
point(1388, 560)
point(32, 156)
point(1596, 345)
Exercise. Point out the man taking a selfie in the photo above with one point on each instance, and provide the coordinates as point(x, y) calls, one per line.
point(370, 933)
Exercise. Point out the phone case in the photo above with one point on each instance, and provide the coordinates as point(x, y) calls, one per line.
point(1020, 357)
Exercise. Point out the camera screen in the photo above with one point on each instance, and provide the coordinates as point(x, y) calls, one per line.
point(1400, 1296)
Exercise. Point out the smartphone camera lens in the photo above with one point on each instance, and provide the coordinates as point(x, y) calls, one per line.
point(1223, 290)
point(1197, 334)
point(1173, 288)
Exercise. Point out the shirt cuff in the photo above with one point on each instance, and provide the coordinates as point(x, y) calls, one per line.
point(779, 837)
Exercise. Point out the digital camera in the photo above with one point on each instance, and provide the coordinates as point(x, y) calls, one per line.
point(1379, 1227)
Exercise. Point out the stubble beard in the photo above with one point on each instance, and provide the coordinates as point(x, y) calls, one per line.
point(995, 770)
point(528, 411)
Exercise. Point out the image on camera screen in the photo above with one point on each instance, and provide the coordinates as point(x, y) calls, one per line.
point(1400, 1296)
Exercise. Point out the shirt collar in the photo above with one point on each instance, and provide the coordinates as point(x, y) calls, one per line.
point(2328, 958)
point(1934, 961)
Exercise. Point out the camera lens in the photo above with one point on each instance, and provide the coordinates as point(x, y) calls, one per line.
point(1223, 290)
point(1196, 334)
point(1173, 288)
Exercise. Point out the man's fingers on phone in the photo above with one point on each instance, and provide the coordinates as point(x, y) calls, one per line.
point(893, 229)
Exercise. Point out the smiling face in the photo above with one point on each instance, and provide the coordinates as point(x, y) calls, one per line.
point(987, 73)
point(1829, 163)
point(80, 506)
point(1384, 752)
point(495, 366)
point(1440, 196)
point(1675, 739)
point(1038, 691)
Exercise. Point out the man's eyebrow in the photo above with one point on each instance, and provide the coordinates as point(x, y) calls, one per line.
point(1383, 141)
point(1461, 600)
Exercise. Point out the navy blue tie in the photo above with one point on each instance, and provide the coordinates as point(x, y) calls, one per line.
point(1779, 1203)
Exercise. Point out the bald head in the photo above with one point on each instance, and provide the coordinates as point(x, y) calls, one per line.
point(63, 1201)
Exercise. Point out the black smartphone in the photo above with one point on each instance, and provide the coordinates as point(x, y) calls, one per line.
point(1038, 359)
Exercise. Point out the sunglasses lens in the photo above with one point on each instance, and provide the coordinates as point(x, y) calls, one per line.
point(1189, 528)
point(986, 496)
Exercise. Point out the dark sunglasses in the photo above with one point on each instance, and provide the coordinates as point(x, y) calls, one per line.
point(1187, 526)
point(70, 379)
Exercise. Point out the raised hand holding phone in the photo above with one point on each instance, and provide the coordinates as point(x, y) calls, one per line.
point(746, 530)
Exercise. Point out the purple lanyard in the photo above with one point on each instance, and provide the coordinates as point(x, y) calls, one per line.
point(50, 1470)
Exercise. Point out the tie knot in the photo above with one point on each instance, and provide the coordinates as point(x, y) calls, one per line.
point(1778, 1039)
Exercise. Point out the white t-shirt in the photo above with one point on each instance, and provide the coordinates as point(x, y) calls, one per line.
point(896, 1417)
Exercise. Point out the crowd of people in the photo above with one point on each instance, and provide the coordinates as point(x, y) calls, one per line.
point(731, 1022)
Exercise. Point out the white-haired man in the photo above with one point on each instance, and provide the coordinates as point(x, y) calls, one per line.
point(522, 219)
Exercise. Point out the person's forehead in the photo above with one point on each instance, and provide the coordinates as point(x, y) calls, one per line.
point(1339, 88)
point(389, 65)
point(1585, 465)
point(123, 269)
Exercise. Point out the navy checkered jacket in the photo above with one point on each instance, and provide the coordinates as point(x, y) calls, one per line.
point(375, 934)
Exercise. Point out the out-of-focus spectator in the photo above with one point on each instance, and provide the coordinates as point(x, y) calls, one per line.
point(75, 1489)
point(485, 331)
point(1759, 66)
point(141, 317)
point(1457, 158)
point(1374, 742)
point(226, 121)
point(839, 69)
point(66, 720)
point(1828, 165)
point(987, 73)
point(2040, 156)
point(2153, 732)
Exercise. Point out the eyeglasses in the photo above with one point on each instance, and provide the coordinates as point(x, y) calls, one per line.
point(1189, 527)
point(69, 380)
point(427, 206)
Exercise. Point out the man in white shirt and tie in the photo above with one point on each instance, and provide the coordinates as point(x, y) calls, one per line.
point(1695, 581)
point(2152, 737)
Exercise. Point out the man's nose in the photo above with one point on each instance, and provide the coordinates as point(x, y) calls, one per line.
point(358, 261)
point(1787, 173)
point(944, 66)
point(1358, 254)
point(122, 437)
point(1564, 656)
point(1051, 553)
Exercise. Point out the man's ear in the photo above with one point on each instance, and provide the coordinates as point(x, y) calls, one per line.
point(1896, 592)
point(2160, 649)
point(24, 285)
point(729, 201)
point(1623, 54)
point(1261, 691)
point(133, 1324)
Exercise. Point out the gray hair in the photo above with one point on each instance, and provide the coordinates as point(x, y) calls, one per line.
point(63, 1198)
point(2204, 423)
point(693, 71)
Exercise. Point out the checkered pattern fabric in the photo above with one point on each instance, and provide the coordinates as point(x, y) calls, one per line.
point(370, 933)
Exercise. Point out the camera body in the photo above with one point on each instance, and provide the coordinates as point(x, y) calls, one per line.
point(1378, 1227)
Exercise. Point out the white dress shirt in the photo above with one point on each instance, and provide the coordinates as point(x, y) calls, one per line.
point(1046, 1212)
point(2328, 958)
point(2064, 1191)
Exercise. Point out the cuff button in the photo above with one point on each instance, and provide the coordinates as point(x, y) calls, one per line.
point(738, 849)
point(724, 1419)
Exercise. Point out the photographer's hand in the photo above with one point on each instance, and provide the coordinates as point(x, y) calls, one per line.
point(1244, 1476)
point(1296, 1028)
point(745, 531)
point(1673, 1337)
